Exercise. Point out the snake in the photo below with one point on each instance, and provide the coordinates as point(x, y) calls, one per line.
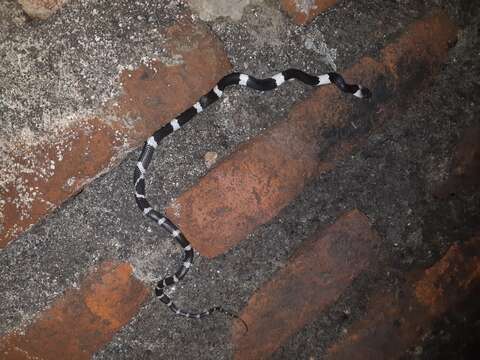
point(235, 78)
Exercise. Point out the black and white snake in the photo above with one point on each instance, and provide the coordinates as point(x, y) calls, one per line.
point(153, 141)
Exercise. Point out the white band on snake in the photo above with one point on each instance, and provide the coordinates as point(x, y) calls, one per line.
point(153, 141)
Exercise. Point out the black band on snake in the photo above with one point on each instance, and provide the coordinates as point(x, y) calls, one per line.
point(153, 141)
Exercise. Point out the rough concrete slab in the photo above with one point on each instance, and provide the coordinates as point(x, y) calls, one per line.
point(82, 320)
point(252, 186)
point(72, 108)
point(393, 325)
point(390, 179)
point(11, 17)
point(465, 171)
point(212, 9)
point(313, 278)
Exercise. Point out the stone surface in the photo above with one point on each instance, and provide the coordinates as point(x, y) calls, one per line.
point(313, 278)
point(465, 169)
point(48, 154)
point(41, 9)
point(393, 324)
point(251, 186)
point(304, 11)
point(82, 320)
point(389, 177)
point(211, 9)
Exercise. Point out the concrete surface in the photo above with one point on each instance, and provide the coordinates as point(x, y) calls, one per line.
point(391, 179)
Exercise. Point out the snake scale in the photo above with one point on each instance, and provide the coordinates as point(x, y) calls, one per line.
point(175, 124)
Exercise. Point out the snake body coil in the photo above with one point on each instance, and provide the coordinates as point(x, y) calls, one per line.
point(175, 124)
